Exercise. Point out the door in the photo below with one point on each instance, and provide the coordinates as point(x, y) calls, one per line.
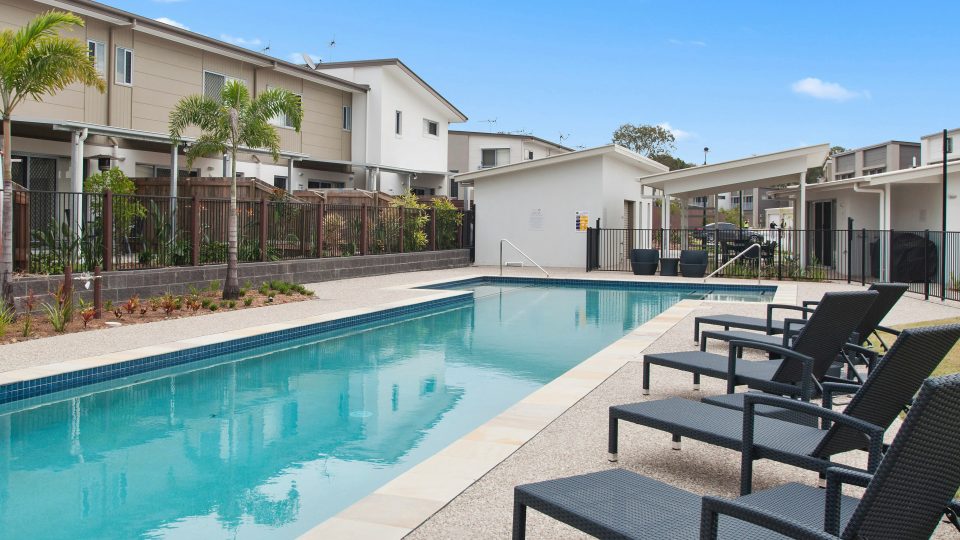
point(823, 231)
point(39, 176)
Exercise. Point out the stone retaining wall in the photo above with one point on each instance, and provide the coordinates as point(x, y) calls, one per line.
point(118, 286)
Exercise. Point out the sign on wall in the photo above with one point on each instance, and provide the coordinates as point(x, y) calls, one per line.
point(536, 219)
point(583, 220)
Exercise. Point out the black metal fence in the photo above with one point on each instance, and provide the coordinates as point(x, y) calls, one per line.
point(928, 260)
point(131, 232)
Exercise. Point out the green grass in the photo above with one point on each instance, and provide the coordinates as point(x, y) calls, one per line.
point(950, 364)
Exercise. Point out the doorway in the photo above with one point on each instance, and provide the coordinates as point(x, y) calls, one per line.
point(629, 224)
point(822, 214)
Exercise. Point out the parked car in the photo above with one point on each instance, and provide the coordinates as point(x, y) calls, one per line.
point(708, 233)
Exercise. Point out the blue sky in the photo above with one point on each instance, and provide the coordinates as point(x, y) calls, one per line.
point(740, 77)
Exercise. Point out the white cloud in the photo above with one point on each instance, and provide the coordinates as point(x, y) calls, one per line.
point(813, 87)
point(243, 42)
point(678, 134)
point(687, 43)
point(171, 22)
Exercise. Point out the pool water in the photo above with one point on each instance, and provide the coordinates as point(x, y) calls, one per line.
point(269, 442)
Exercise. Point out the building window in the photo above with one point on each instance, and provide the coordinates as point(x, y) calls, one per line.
point(124, 73)
point(324, 184)
point(98, 55)
point(347, 118)
point(700, 201)
point(423, 192)
point(530, 154)
point(398, 122)
point(844, 176)
point(877, 170)
point(494, 157)
point(431, 128)
point(748, 199)
point(213, 84)
point(280, 182)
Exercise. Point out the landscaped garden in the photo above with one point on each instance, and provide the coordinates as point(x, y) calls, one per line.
point(63, 313)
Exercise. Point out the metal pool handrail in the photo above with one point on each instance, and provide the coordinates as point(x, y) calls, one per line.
point(520, 251)
point(731, 261)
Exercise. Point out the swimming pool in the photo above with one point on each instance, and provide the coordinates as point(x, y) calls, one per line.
point(270, 440)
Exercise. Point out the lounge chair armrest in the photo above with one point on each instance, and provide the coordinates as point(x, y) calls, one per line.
point(830, 389)
point(836, 477)
point(887, 330)
point(809, 303)
point(788, 329)
point(953, 513)
point(806, 388)
point(771, 307)
point(873, 432)
point(712, 507)
point(869, 355)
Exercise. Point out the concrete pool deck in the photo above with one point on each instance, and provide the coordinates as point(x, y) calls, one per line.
point(466, 489)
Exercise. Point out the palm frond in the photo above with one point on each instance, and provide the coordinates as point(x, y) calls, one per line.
point(234, 94)
point(199, 111)
point(206, 145)
point(276, 101)
point(259, 133)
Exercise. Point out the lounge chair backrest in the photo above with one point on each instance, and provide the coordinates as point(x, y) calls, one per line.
point(892, 384)
point(890, 294)
point(828, 328)
point(919, 474)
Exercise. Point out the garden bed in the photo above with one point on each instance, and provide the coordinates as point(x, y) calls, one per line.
point(135, 310)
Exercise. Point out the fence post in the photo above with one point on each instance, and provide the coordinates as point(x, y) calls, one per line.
point(780, 254)
point(263, 230)
point(97, 293)
point(849, 241)
point(364, 230)
point(403, 217)
point(863, 256)
point(195, 231)
point(889, 255)
point(319, 228)
point(433, 228)
point(926, 275)
point(107, 230)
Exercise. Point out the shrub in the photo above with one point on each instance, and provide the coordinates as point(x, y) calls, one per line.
point(6, 319)
point(87, 314)
point(30, 303)
point(214, 307)
point(246, 301)
point(415, 221)
point(448, 223)
point(205, 303)
point(232, 304)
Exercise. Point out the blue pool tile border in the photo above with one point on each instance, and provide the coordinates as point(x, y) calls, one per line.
point(602, 284)
point(65, 381)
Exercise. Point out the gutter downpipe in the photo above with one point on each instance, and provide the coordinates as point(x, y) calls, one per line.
point(883, 217)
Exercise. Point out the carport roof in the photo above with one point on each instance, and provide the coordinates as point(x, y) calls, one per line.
point(765, 170)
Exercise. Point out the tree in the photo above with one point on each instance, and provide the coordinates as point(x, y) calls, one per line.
point(673, 162)
point(36, 62)
point(226, 124)
point(645, 140)
point(815, 174)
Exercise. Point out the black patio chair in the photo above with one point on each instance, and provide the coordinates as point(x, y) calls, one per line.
point(890, 294)
point(644, 262)
point(804, 362)
point(693, 263)
point(905, 498)
point(760, 434)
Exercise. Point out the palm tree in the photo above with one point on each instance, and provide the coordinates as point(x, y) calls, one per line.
point(226, 124)
point(36, 62)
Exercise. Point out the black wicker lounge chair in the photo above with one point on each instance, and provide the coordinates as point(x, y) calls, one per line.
point(890, 294)
point(905, 498)
point(644, 262)
point(693, 263)
point(773, 434)
point(814, 348)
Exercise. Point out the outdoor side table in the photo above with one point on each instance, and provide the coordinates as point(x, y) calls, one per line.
point(668, 266)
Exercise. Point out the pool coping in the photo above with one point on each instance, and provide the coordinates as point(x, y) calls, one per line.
point(401, 505)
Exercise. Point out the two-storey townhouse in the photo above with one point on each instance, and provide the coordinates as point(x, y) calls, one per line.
point(149, 66)
point(475, 150)
point(403, 144)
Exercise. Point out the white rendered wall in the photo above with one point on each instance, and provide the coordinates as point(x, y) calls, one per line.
point(557, 192)
point(931, 147)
